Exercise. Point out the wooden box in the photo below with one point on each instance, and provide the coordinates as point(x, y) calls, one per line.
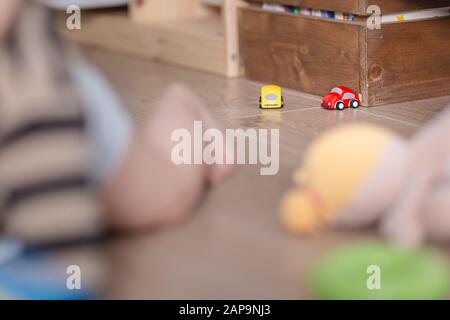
point(400, 62)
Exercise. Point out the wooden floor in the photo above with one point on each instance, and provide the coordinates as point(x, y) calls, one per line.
point(234, 246)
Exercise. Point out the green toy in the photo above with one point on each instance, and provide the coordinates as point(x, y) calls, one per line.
point(378, 270)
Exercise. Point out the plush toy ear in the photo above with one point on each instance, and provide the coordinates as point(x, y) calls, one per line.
point(403, 225)
point(430, 154)
point(437, 212)
point(430, 147)
point(302, 212)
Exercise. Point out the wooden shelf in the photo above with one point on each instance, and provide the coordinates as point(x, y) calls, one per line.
point(359, 7)
point(198, 34)
point(203, 37)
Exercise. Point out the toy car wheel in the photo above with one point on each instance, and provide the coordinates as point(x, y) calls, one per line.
point(282, 102)
point(339, 105)
point(260, 103)
point(354, 104)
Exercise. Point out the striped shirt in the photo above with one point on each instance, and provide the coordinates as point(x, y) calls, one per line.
point(45, 153)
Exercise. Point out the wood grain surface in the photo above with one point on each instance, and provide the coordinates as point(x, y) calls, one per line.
point(233, 247)
point(408, 61)
point(307, 54)
point(399, 62)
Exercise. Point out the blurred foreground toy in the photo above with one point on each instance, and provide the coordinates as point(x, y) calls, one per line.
point(379, 271)
point(271, 97)
point(359, 174)
point(340, 98)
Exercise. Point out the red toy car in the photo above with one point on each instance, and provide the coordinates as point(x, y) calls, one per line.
point(340, 98)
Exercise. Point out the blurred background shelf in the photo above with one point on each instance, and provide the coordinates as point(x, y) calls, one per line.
point(190, 33)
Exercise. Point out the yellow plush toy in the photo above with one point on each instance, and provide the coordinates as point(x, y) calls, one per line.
point(359, 174)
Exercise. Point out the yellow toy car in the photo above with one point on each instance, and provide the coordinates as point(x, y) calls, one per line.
point(271, 97)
